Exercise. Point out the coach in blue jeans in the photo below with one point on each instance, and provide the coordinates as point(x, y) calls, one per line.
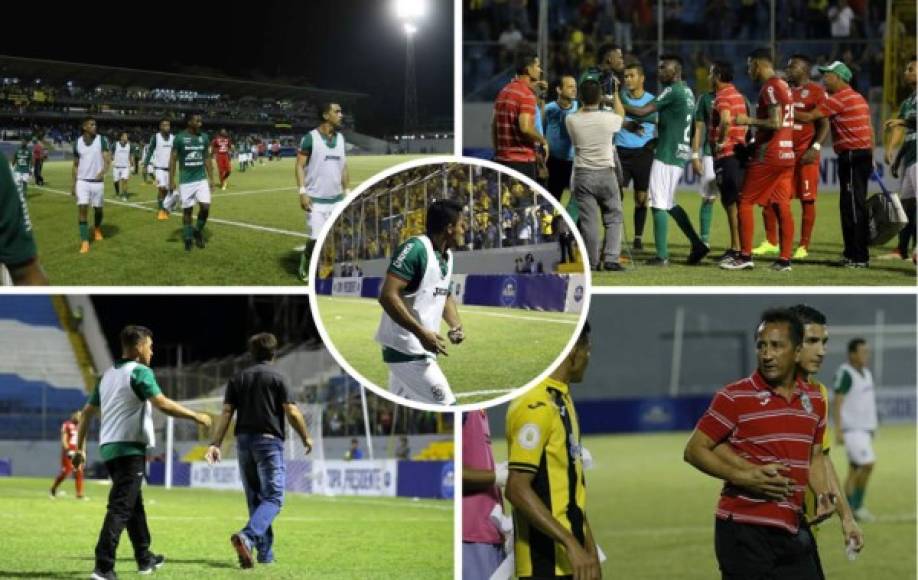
point(261, 399)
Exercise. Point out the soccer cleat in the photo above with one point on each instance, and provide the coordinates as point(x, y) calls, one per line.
point(155, 563)
point(198, 238)
point(801, 253)
point(243, 550)
point(97, 234)
point(894, 255)
point(638, 244)
point(765, 248)
point(188, 245)
point(84, 247)
point(862, 514)
point(657, 261)
point(52, 493)
point(223, 187)
point(163, 215)
point(613, 267)
point(851, 264)
point(98, 575)
point(740, 262)
point(698, 254)
point(728, 254)
point(781, 266)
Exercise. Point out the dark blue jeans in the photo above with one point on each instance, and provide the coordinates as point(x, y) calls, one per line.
point(261, 466)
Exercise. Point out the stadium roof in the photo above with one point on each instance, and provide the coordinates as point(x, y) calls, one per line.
point(61, 72)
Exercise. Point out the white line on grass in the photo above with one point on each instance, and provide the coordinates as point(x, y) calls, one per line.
point(211, 220)
point(466, 310)
point(216, 194)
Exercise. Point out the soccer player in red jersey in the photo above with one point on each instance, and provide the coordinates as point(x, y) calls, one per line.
point(808, 138)
point(69, 430)
point(770, 174)
point(222, 149)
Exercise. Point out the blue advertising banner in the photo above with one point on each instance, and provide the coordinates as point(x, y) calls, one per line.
point(433, 479)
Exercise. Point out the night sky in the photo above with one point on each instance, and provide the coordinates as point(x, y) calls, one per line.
point(205, 326)
point(352, 45)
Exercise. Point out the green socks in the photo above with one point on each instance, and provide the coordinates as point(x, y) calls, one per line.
point(660, 233)
point(200, 224)
point(84, 231)
point(187, 232)
point(856, 499)
point(705, 215)
point(685, 225)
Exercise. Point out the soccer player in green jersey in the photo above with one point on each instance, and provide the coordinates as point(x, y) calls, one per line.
point(191, 155)
point(91, 161)
point(17, 244)
point(900, 135)
point(22, 166)
point(703, 164)
point(675, 106)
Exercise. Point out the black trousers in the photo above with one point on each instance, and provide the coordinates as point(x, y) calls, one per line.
point(754, 552)
point(854, 169)
point(36, 168)
point(909, 234)
point(125, 510)
point(559, 176)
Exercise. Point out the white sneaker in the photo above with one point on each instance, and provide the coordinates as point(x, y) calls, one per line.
point(863, 515)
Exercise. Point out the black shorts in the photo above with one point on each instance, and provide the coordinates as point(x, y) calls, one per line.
point(559, 175)
point(636, 164)
point(753, 552)
point(729, 179)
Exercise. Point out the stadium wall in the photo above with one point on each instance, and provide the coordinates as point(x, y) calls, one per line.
point(491, 261)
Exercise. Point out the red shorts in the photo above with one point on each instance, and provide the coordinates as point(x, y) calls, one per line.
point(806, 181)
point(66, 463)
point(766, 184)
point(223, 164)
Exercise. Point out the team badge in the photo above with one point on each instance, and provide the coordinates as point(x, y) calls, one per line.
point(805, 93)
point(806, 402)
point(529, 436)
point(764, 398)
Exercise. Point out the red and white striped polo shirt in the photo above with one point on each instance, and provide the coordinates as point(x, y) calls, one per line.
point(764, 427)
point(849, 117)
point(514, 99)
point(727, 99)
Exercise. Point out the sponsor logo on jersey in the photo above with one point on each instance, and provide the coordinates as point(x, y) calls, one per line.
point(400, 259)
point(441, 291)
point(529, 436)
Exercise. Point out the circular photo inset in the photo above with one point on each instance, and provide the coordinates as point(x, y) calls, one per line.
point(450, 282)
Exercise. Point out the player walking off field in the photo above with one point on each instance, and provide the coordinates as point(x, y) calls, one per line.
point(808, 138)
point(675, 106)
point(546, 484)
point(324, 182)
point(22, 167)
point(222, 149)
point(776, 421)
point(260, 398)
point(191, 154)
point(852, 139)
point(900, 134)
point(18, 252)
point(69, 431)
point(121, 165)
point(770, 173)
point(415, 296)
point(854, 412)
point(125, 396)
point(91, 159)
point(159, 155)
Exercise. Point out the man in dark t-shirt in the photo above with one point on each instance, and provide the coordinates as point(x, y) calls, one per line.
point(261, 399)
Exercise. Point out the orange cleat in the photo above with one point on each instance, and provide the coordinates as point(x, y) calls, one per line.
point(97, 234)
point(162, 215)
point(84, 247)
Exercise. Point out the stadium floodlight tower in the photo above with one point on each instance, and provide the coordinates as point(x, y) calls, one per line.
point(409, 12)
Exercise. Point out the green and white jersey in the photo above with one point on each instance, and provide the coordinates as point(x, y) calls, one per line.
point(122, 395)
point(121, 155)
point(703, 110)
point(676, 107)
point(22, 161)
point(428, 276)
point(192, 151)
point(325, 167)
point(907, 112)
point(159, 151)
point(859, 409)
point(90, 157)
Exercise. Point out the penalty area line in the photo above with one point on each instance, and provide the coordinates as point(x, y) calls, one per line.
point(211, 220)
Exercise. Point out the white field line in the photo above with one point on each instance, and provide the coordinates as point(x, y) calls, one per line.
point(464, 310)
point(210, 220)
point(221, 194)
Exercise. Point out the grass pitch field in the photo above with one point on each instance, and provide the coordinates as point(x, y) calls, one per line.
point(504, 348)
point(316, 536)
point(653, 514)
point(816, 270)
point(254, 229)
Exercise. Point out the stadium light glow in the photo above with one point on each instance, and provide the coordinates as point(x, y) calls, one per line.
point(410, 28)
point(410, 9)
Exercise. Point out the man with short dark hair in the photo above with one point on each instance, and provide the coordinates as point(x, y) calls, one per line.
point(513, 131)
point(261, 399)
point(91, 160)
point(415, 296)
point(560, 160)
point(852, 139)
point(190, 167)
point(776, 421)
point(635, 144)
point(124, 396)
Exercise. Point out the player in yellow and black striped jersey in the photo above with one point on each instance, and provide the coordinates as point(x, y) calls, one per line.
point(546, 486)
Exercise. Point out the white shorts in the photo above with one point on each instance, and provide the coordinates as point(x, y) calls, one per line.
point(194, 192)
point(90, 193)
point(707, 186)
point(243, 157)
point(150, 170)
point(317, 217)
point(859, 446)
point(119, 173)
point(162, 178)
point(663, 182)
point(908, 185)
point(21, 177)
point(420, 380)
